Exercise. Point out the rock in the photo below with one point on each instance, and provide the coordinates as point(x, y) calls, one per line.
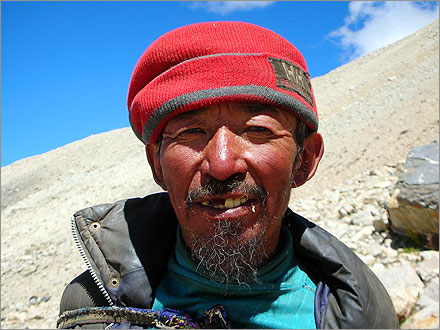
point(332, 196)
point(34, 313)
point(428, 268)
point(383, 184)
point(17, 316)
point(29, 269)
point(403, 292)
point(429, 297)
point(429, 255)
point(423, 319)
point(392, 254)
point(365, 217)
point(414, 210)
point(375, 249)
point(347, 207)
point(341, 230)
point(426, 315)
point(33, 300)
point(379, 226)
point(378, 268)
point(19, 307)
point(342, 212)
point(363, 234)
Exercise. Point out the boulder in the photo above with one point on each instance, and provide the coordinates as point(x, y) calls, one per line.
point(413, 209)
point(405, 291)
point(425, 314)
point(428, 298)
point(428, 268)
point(423, 319)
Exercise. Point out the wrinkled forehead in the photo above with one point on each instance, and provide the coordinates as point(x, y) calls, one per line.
point(235, 110)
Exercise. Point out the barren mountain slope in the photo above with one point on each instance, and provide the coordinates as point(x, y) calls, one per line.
point(376, 108)
point(372, 111)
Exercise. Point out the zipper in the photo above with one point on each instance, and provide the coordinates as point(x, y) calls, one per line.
point(87, 262)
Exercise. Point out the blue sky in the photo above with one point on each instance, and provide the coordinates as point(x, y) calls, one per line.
point(65, 66)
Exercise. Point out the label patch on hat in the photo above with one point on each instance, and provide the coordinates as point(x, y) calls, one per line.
point(292, 77)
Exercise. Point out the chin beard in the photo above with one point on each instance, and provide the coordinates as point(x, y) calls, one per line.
point(228, 258)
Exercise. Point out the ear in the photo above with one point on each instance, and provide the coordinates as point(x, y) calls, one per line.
point(311, 154)
point(152, 151)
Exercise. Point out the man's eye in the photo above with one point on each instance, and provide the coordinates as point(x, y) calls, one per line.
point(191, 131)
point(257, 129)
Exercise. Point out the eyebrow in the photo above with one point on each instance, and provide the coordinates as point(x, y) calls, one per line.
point(258, 108)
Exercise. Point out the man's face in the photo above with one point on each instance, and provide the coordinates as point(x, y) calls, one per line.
point(229, 169)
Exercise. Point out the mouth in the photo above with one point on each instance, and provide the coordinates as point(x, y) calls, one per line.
point(222, 199)
point(224, 203)
point(226, 207)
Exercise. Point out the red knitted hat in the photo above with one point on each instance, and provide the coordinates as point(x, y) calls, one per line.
point(209, 63)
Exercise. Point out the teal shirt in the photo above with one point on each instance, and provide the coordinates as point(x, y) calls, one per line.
point(284, 298)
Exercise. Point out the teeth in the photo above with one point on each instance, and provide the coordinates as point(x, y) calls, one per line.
point(229, 203)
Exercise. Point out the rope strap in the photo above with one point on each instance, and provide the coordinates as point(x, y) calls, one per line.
point(214, 318)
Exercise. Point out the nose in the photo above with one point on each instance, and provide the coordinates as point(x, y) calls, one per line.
point(223, 155)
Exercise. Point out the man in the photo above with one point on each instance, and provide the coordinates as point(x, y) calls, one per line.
point(228, 117)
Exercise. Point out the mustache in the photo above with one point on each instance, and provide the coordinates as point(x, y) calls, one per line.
point(214, 187)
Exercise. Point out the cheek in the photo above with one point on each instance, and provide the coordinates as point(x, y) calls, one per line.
point(273, 163)
point(273, 168)
point(179, 166)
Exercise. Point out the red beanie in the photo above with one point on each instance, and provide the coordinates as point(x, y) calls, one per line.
point(220, 62)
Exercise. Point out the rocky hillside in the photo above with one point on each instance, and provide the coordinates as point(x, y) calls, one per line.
point(372, 112)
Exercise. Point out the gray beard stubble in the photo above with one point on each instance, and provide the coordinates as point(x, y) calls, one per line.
point(226, 257)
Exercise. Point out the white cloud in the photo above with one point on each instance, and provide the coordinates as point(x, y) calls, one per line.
point(227, 7)
point(372, 25)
